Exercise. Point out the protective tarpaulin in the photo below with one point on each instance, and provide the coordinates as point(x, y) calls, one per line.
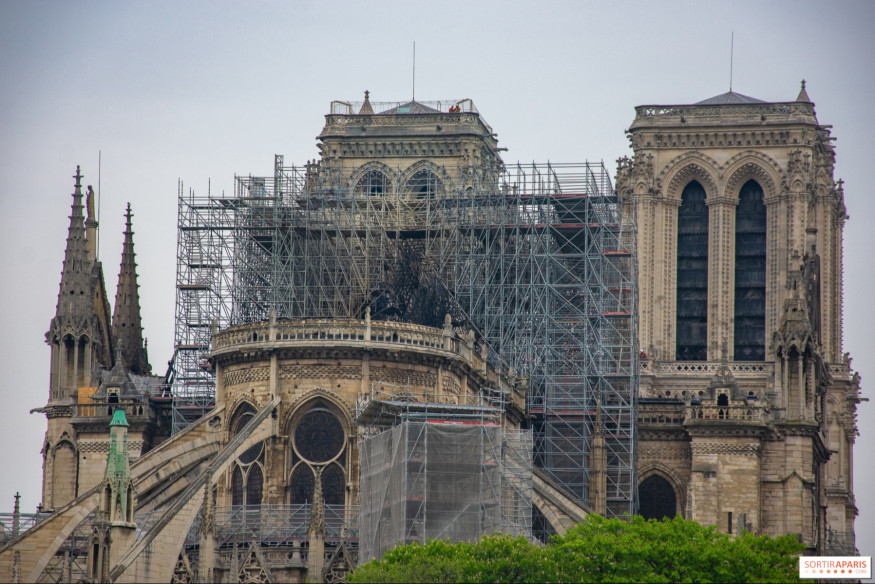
point(429, 480)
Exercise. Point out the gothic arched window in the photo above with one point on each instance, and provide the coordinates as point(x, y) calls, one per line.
point(424, 185)
point(750, 274)
point(318, 442)
point(247, 472)
point(657, 498)
point(692, 275)
point(373, 184)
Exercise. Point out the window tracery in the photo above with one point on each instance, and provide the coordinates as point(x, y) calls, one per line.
point(318, 441)
point(750, 274)
point(424, 185)
point(247, 472)
point(692, 275)
point(372, 184)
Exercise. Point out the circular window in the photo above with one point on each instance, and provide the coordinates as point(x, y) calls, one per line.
point(319, 436)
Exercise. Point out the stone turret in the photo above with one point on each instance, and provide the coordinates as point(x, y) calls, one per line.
point(127, 329)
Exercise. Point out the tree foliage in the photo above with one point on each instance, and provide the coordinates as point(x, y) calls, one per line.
point(598, 550)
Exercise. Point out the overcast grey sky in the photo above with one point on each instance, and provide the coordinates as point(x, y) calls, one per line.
point(201, 91)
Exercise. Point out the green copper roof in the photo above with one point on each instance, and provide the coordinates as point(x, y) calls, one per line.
point(119, 419)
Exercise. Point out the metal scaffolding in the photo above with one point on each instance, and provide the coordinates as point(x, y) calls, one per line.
point(205, 233)
point(539, 259)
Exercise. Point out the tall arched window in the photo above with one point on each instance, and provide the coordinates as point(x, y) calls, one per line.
point(750, 274)
point(372, 184)
point(247, 473)
point(692, 276)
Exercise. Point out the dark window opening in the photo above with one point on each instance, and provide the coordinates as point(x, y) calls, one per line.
point(750, 274)
point(333, 485)
point(692, 276)
point(372, 184)
point(301, 485)
point(254, 485)
point(424, 185)
point(657, 498)
point(237, 486)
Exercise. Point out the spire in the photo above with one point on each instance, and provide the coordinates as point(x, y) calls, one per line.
point(366, 108)
point(77, 266)
point(803, 95)
point(127, 329)
point(79, 330)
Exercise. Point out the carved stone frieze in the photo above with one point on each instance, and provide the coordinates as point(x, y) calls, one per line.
point(248, 375)
point(703, 448)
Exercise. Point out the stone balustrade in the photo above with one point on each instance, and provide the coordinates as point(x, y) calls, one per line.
point(390, 335)
point(750, 414)
point(740, 369)
point(673, 414)
point(316, 332)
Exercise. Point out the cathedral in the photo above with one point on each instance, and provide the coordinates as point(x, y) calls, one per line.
point(708, 381)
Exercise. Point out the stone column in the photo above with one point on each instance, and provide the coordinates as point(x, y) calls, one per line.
point(721, 274)
point(316, 531)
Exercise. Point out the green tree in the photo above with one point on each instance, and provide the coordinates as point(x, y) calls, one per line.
point(675, 550)
point(598, 550)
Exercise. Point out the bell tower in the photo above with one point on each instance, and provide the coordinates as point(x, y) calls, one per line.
point(740, 277)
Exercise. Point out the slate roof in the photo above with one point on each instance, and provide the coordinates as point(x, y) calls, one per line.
point(411, 107)
point(729, 98)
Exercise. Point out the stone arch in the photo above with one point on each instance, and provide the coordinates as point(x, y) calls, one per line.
point(440, 174)
point(362, 172)
point(752, 165)
point(240, 407)
point(245, 475)
point(801, 344)
point(688, 167)
point(300, 406)
point(335, 454)
point(670, 478)
point(65, 472)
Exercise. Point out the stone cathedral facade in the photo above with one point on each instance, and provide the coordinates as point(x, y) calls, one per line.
point(746, 406)
point(747, 414)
